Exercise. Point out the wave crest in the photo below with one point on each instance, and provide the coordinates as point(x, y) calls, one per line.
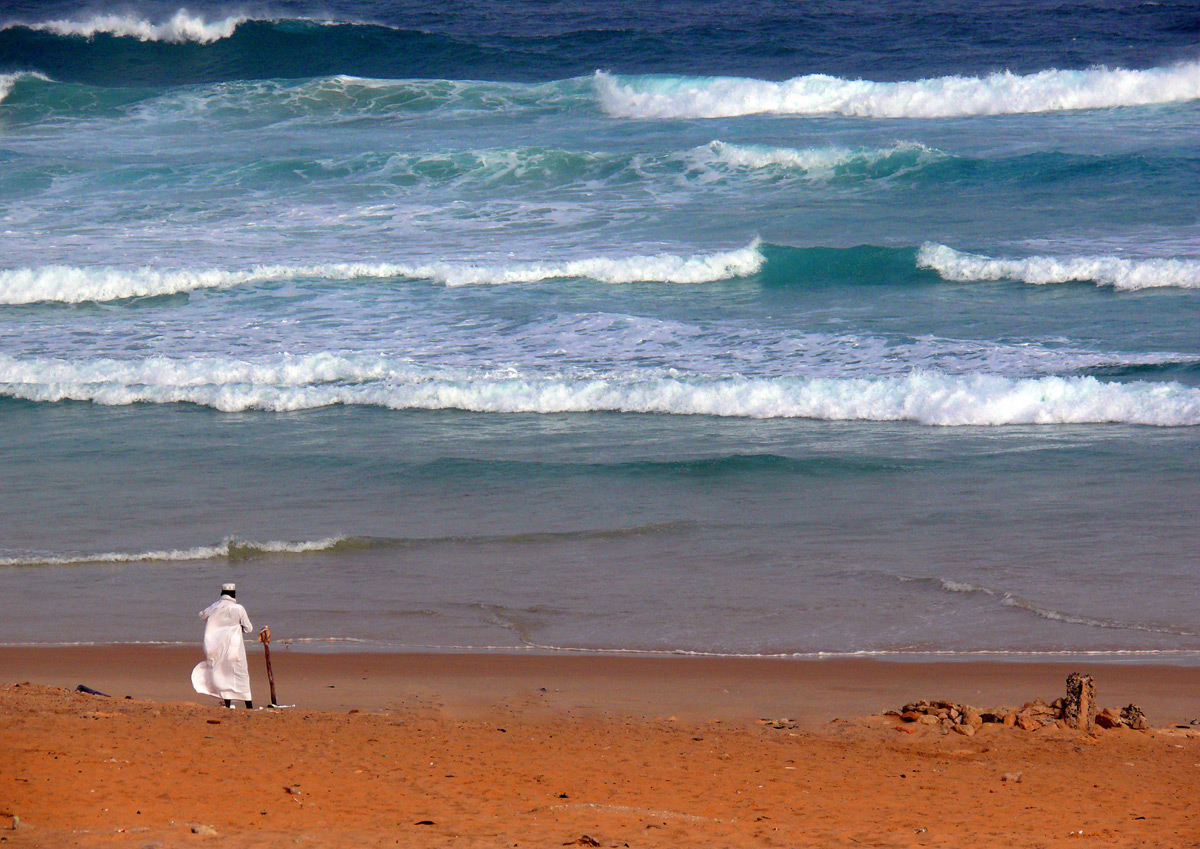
point(299, 383)
point(660, 96)
point(1010, 599)
point(74, 284)
point(230, 548)
point(71, 284)
point(180, 28)
point(1125, 274)
point(8, 81)
point(821, 161)
point(656, 268)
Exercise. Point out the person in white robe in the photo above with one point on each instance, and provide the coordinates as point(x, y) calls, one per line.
point(224, 674)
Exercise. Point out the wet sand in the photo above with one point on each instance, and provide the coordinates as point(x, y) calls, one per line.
point(503, 750)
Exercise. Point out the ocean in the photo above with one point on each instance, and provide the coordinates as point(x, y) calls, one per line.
point(776, 328)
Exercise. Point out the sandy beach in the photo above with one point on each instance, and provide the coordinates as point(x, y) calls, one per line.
point(522, 750)
point(648, 424)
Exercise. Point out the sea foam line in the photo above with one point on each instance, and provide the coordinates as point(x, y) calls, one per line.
point(72, 284)
point(1125, 274)
point(179, 28)
point(902, 654)
point(235, 548)
point(1010, 599)
point(300, 383)
point(229, 548)
point(660, 96)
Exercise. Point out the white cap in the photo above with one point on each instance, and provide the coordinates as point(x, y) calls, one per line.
point(228, 588)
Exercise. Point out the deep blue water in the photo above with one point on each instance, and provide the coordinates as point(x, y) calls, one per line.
point(537, 41)
point(816, 327)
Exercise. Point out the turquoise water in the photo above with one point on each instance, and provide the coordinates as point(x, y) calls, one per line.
point(591, 328)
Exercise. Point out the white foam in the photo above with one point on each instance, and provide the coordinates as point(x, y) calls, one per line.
point(7, 81)
point(996, 94)
point(656, 268)
point(816, 161)
point(1127, 274)
point(179, 28)
point(229, 547)
point(298, 383)
point(1009, 599)
point(71, 284)
point(327, 644)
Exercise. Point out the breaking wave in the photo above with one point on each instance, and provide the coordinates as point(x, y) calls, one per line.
point(300, 383)
point(1009, 599)
point(71, 284)
point(662, 96)
point(234, 548)
point(823, 161)
point(231, 548)
point(179, 28)
point(7, 81)
point(769, 264)
point(1125, 274)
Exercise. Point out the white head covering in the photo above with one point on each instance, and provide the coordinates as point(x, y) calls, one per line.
point(229, 588)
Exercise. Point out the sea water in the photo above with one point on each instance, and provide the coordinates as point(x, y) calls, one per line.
point(767, 328)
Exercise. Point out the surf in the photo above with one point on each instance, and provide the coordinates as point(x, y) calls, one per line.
point(1016, 602)
point(76, 284)
point(10, 81)
point(179, 28)
point(924, 397)
point(1003, 93)
point(230, 548)
point(1124, 274)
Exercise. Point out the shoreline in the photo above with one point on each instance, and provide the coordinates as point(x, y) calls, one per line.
point(355, 646)
point(812, 691)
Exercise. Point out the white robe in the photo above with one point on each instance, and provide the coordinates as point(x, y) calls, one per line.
point(225, 674)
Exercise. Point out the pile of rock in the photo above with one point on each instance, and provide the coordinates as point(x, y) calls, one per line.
point(966, 719)
point(1076, 710)
point(1130, 716)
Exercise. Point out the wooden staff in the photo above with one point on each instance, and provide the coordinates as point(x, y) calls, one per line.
point(264, 637)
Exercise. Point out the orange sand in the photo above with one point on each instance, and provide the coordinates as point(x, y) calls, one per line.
point(491, 751)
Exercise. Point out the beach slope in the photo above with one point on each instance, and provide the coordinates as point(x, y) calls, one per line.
point(575, 751)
